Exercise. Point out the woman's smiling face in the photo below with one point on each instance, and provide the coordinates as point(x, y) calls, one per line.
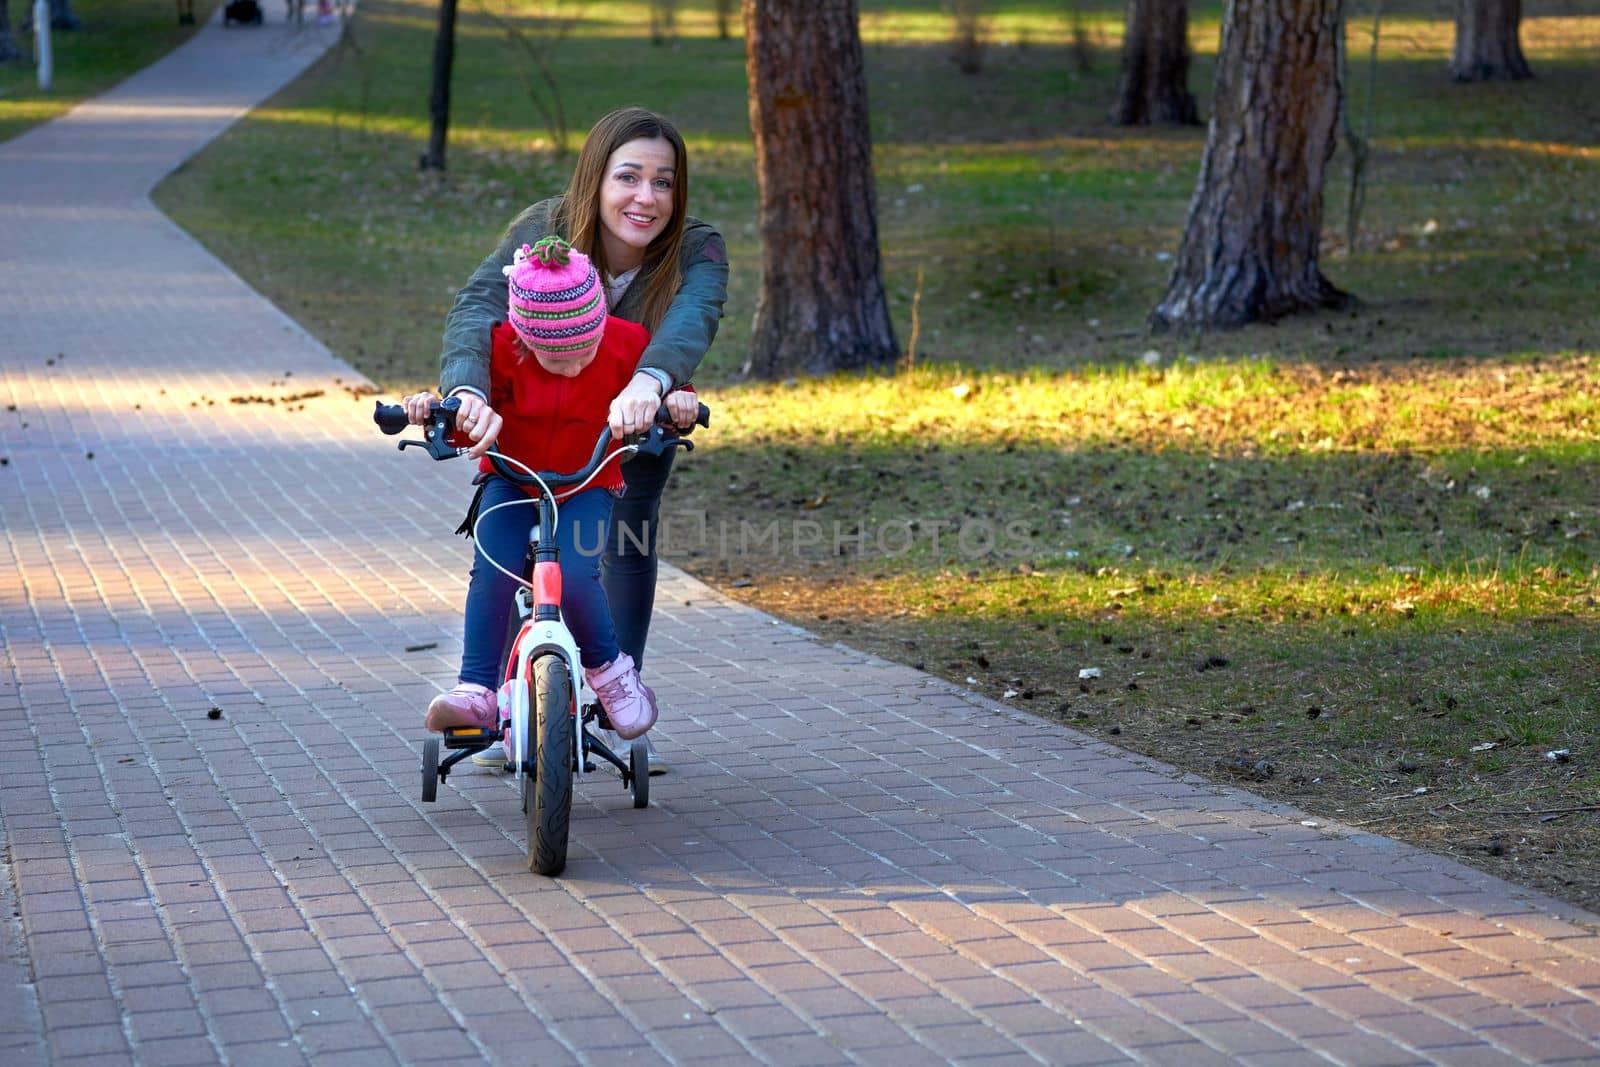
point(636, 200)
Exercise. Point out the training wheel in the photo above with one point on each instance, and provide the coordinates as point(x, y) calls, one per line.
point(639, 772)
point(430, 769)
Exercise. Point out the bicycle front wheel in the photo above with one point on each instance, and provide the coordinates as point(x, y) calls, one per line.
point(550, 810)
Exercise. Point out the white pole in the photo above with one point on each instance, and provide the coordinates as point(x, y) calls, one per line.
point(41, 36)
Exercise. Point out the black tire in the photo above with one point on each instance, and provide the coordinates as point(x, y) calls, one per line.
point(639, 771)
point(550, 812)
point(430, 770)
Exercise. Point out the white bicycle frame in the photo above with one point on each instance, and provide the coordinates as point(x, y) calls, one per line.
point(537, 639)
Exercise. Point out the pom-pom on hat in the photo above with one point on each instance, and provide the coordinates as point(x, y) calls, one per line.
point(557, 305)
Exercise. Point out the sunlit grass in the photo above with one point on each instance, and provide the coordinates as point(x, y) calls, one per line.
point(1555, 149)
point(1007, 26)
point(29, 112)
point(503, 142)
point(1395, 599)
point(1413, 33)
point(1451, 487)
point(1561, 36)
point(1261, 405)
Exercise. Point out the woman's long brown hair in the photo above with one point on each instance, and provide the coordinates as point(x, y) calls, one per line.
point(578, 216)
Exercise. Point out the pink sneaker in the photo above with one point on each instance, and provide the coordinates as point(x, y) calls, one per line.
point(465, 705)
point(629, 703)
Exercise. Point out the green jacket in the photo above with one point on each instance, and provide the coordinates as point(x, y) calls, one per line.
point(676, 348)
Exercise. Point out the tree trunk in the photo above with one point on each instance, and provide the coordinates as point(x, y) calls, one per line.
point(1487, 47)
point(8, 47)
point(822, 305)
point(1154, 86)
point(444, 52)
point(663, 21)
point(1251, 242)
point(61, 16)
point(724, 19)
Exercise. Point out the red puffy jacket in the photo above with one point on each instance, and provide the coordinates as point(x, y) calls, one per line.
point(551, 422)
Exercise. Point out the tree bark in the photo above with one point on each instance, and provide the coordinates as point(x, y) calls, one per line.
point(1154, 85)
point(822, 305)
point(1487, 46)
point(444, 52)
point(1251, 243)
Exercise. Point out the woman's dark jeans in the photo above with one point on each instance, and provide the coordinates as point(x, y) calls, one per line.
point(629, 570)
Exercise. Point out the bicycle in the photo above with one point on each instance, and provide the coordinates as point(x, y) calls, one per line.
point(542, 661)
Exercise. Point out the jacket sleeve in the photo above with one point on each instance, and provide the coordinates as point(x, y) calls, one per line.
point(690, 324)
point(464, 359)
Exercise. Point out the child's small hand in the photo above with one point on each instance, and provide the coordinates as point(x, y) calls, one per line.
point(683, 406)
point(417, 406)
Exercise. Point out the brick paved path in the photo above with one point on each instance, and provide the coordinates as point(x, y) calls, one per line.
point(850, 863)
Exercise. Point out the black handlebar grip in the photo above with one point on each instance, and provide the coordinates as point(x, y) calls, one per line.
point(702, 417)
point(391, 418)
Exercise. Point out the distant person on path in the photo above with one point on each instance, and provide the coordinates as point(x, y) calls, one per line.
point(626, 209)
point(556, 362)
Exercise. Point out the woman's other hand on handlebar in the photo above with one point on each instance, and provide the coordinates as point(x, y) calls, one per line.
point(477, 420)
point(634, 409)
point(417, 407)
point(684, 407)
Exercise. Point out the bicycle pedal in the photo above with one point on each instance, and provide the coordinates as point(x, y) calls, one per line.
point(469, 737)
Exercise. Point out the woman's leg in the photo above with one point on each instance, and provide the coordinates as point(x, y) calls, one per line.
point(629, 574)
point(581, 535)
point(503, 534)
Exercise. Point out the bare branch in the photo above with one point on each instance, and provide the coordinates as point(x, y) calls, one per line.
point(541, 84)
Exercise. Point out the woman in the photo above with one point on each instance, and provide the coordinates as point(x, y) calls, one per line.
point(626, 209)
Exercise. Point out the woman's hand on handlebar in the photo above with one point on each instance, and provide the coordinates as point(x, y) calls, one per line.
point(418, 406)
point(684, 407)
point(476, 419)
point(634, 409)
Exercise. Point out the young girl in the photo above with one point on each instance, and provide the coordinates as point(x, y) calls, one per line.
point(555, 365)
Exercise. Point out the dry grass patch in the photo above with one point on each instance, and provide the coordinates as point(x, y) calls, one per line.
point(1370, 590)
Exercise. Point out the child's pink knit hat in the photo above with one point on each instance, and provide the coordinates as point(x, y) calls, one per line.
point(557, 305)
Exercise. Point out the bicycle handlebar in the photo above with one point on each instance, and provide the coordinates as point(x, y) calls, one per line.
point(662, 437)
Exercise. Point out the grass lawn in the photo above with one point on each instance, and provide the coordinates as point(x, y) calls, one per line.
point(116, 38)
point(1349, 560)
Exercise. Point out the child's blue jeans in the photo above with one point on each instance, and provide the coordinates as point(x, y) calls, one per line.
point(582, 530)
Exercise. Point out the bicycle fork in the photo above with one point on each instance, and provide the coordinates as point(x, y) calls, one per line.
point(543, 633)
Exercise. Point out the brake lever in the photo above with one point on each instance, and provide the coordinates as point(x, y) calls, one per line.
point(436, 431)
point(658, 441)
